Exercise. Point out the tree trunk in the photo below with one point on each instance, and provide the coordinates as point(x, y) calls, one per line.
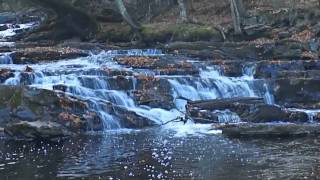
point(237, 12)
point(185, 7)
point(126, 16)
point(183, 11)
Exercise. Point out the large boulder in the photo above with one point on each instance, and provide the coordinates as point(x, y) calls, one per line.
point(37, 130)
point(248, 109)
point(29, 104)
point(5, 74)
point(297, 92)
point(154, 92)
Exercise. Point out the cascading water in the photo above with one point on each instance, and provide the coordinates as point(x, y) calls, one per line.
point(212, 84)
point(5, 59)
point(85, 79)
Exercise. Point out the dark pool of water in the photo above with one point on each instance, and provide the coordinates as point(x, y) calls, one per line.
point(159, 154)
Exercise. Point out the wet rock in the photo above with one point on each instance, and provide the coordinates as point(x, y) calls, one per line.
point(38, 54)
point(3, 27)
point(317, 117)
point(164, 32)
point(216, 50)
point(154, 92)
point(269, 130)
point(115, 72)
point(30, 104)
point(297, 93)
point(154, 99)
point(138, 62)
point(203, 116)
point(7, 17)
point(60, 87)
point(230, 68)
point(162, 65)
point(37, 130)
point(292, 69)
point(27, 78)
point(5, 74)
point(256, 31)
point(130, 119)
point(248, 109)
point(120, 83)
point(282, 50)
point(25, 113)
point(284, 34)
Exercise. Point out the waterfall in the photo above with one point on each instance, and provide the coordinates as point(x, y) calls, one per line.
point(85, 79)
point(227, 116)
point(5, 59)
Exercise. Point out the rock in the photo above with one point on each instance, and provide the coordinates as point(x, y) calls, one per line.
point(27, 78)
point(114, 72)
point(203, 116)
point(154, 92)
point(37, 130)
point(163, 65)
point(256, 31)
point(30, 104)
point(165, 32)
point(248, 109)
point(28, 69)
point(3, 27)
point(283, 69)
point(130, 119)
point(6, 17)
point(247, 51)
point(25, 113)
point(38, 54)
point(317, 117)
point(284, 35)
point(154, 99)
point(5, 74)
point(60, 87)
point(261, 130)
point(297, 93)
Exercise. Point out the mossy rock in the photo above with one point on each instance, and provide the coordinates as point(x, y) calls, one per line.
point(115, 32)
point(164, 32)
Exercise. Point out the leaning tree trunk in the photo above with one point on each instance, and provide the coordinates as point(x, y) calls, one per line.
point(237, 12)
point(185, 6)
point(126, 16)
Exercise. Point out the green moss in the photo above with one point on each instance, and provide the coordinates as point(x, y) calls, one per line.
point(163, 32)
point(115, 32)
point(10, 96)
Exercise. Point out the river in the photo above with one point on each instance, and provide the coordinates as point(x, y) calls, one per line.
point(159, 153)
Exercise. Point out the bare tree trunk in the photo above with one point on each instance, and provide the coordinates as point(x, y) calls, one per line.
point(238, 12)
point(185, 7)
point(183, 11)
point(126, 16)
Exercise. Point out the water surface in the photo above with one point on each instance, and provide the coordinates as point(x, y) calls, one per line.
point(161, 153)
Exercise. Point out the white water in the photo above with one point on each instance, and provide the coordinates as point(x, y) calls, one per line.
point(5, 58)
point(85, 79)
point(12, 30)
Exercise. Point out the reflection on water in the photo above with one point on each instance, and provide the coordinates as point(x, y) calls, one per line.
point(159, 154)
